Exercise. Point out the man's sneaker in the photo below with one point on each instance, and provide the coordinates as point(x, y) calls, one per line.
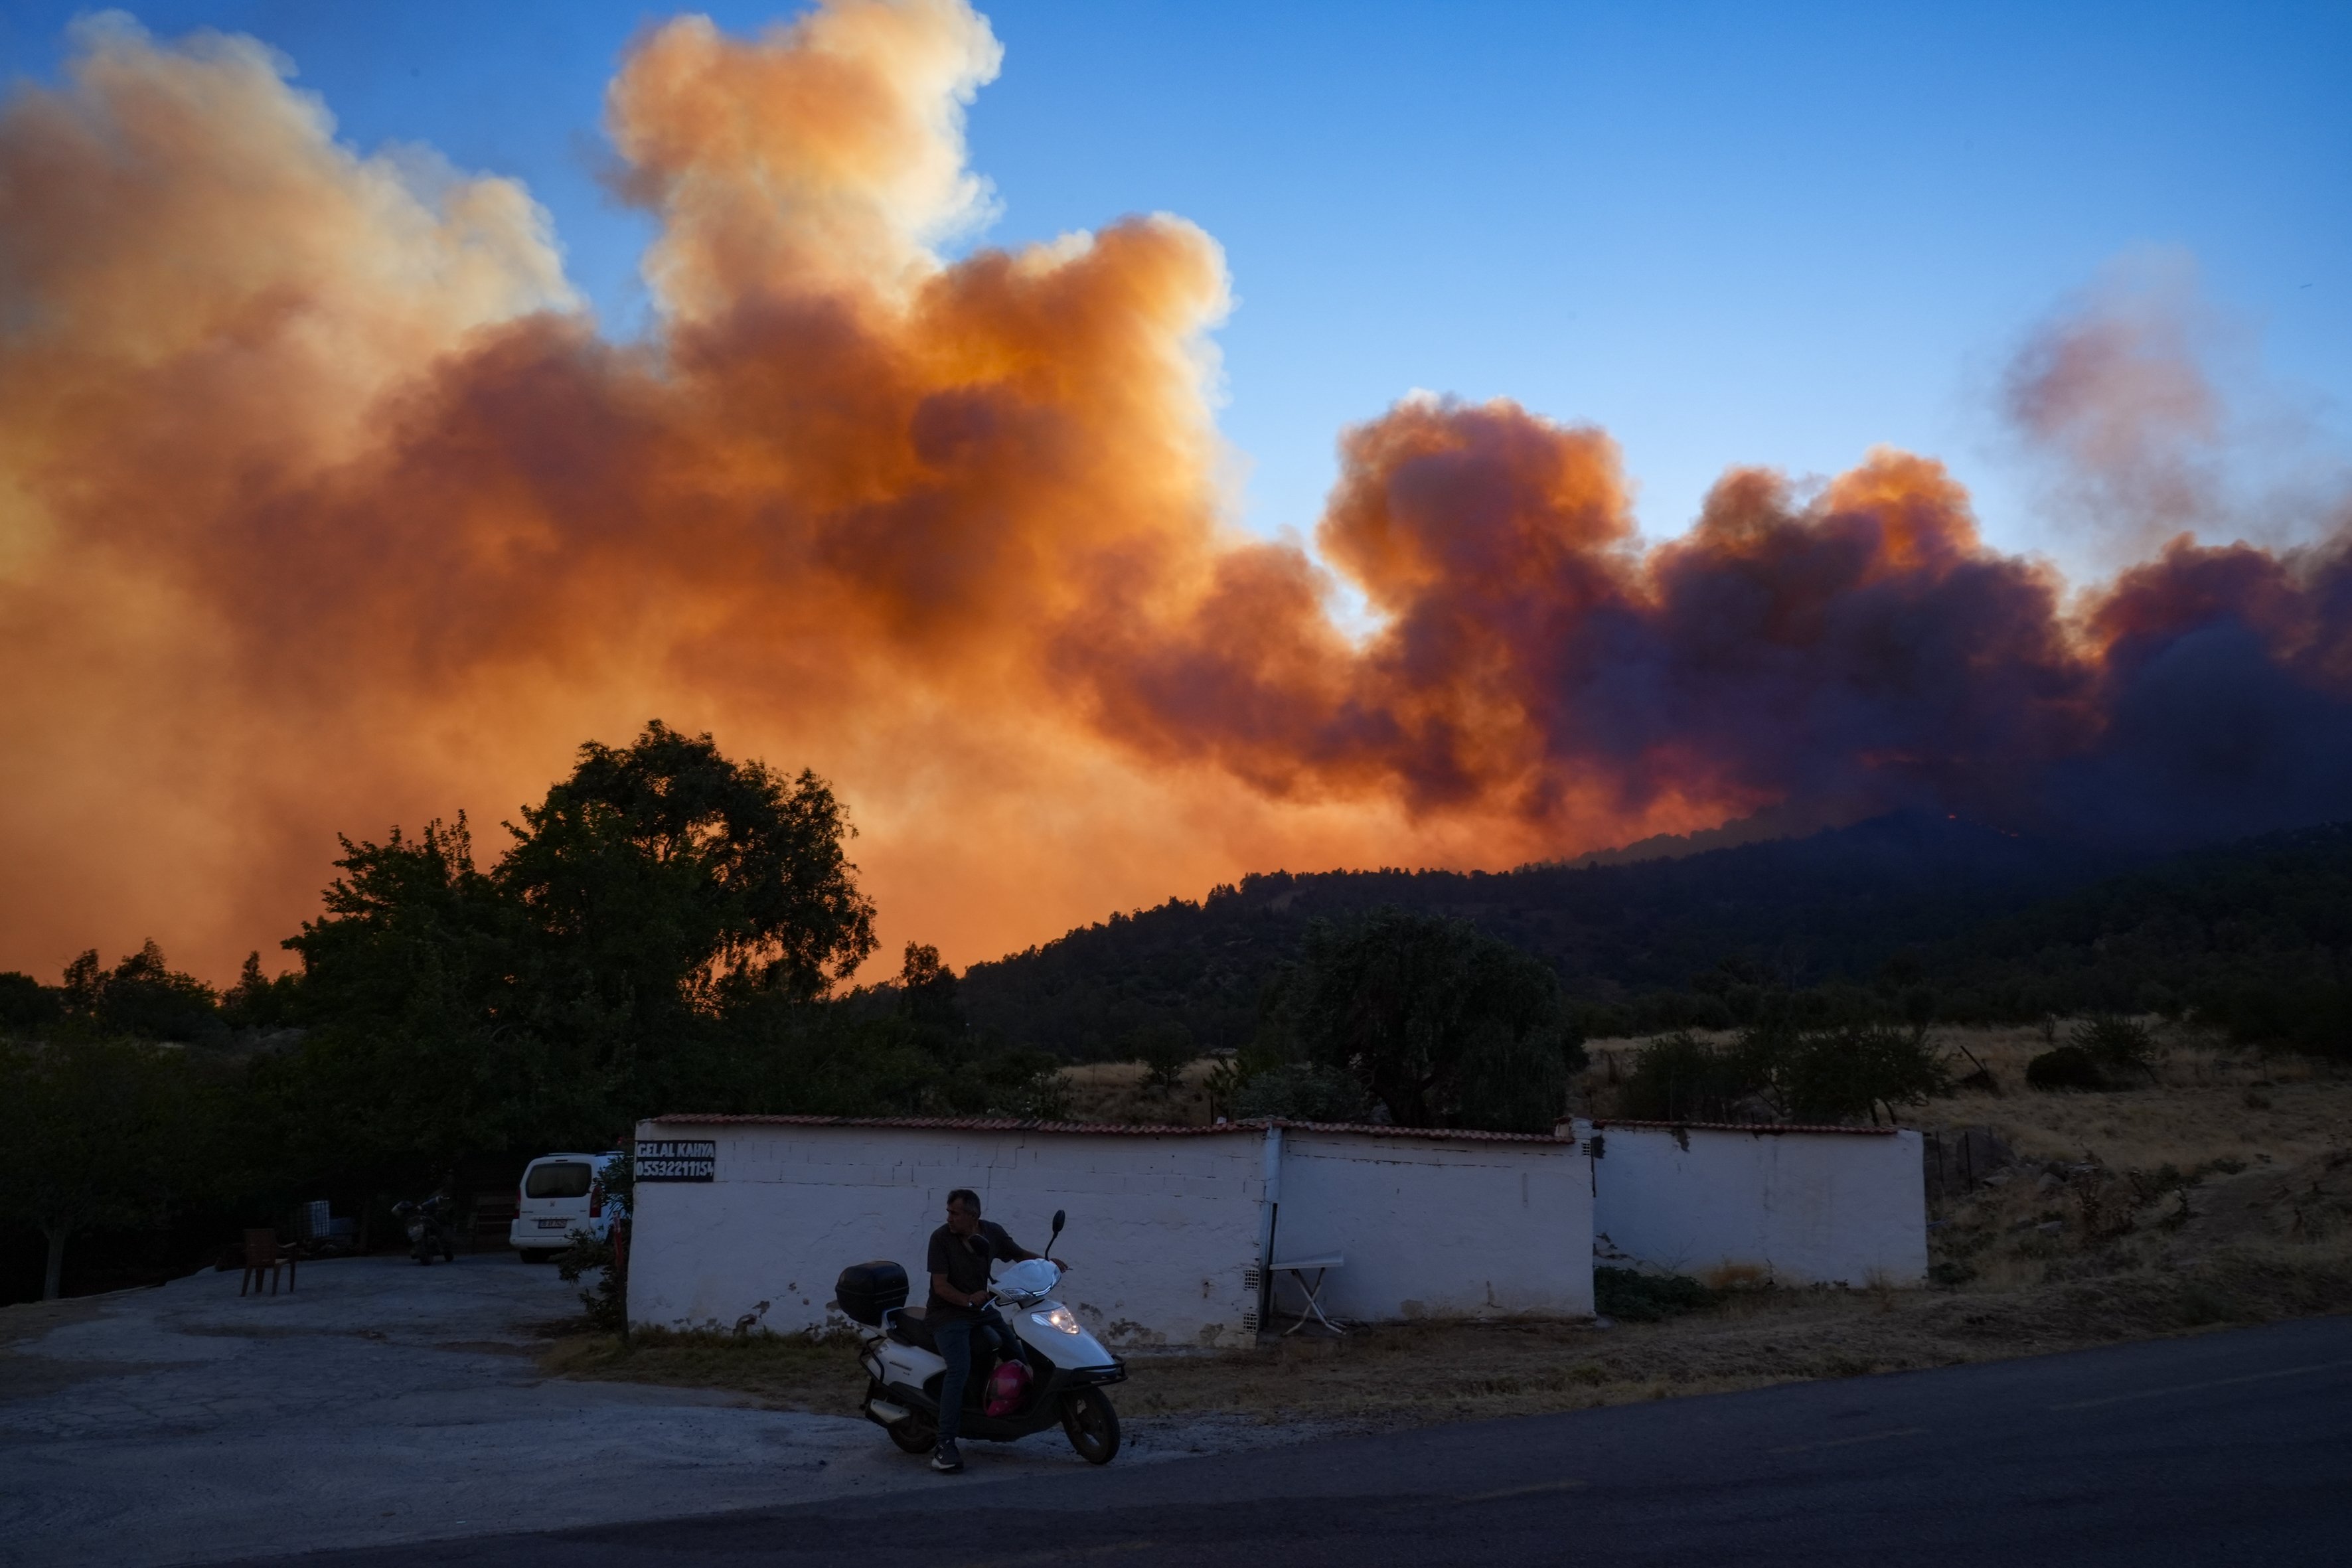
point(946, 1460)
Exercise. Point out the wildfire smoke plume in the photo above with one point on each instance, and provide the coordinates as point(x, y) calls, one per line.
point(323, 505)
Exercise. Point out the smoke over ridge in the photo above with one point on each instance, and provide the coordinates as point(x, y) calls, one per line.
point(323, 505)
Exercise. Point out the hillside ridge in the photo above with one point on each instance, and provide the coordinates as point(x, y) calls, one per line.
point(1792, 911)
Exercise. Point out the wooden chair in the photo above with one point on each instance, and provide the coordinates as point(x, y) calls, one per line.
point(262, 1252)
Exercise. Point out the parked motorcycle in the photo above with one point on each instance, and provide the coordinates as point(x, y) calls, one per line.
point(429, 1225)
point(1053, 1372)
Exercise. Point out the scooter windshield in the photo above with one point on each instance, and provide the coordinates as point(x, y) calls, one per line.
point(1029, 1279)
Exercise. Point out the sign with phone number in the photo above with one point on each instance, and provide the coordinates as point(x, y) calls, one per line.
point(662, 1160)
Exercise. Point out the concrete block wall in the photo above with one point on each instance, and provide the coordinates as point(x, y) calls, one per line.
point(1167, 1230)
point(1791, 1207)
point(1162, 1231)
point(1437, 1227)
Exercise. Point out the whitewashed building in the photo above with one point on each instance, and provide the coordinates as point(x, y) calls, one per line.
point(1732, 1202)
point(1171, 1230)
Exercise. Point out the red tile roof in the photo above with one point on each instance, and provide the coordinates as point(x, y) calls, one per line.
point(1600, 1124)
point(1166, 1130)
point(1449, 1135)
point(1007, 1125)
point(945, 1124)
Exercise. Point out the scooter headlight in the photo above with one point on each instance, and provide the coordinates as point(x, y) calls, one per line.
point(1059, 1319)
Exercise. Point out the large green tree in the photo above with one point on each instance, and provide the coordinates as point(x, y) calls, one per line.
point(102, 1133)
point(607, 963)
point(662, 876)
point(415, 1058)
point(1444, 1025)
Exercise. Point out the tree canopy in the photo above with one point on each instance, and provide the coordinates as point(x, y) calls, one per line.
point(143, 996)
point(104, 1132)
point(641, 908)
point(1444, 1025)
point(664, 875)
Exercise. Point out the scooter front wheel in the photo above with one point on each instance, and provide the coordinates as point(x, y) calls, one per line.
point(1092, 1425)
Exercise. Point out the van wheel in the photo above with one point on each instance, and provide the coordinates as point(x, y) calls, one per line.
point(1092, 1425)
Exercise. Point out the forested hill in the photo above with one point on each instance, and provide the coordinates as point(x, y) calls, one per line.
point(2255, 937)
point(1791, 913)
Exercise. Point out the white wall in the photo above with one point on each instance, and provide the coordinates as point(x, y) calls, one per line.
point(1796, 1208)
point(1466, 1228)
point(1162, 1229)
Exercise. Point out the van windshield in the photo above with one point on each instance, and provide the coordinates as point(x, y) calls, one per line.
point(558, 1179)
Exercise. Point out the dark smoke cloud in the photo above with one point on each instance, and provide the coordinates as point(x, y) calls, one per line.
point(1858, 652)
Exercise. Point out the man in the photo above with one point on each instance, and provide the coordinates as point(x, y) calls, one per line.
point(962, 1251)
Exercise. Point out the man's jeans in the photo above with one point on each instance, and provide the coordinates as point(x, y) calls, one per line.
point(954, 1337)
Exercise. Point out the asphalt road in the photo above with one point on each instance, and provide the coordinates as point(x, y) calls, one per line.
point(2222, 1448)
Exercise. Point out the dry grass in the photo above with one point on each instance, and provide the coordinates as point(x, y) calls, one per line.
point(2220, 1193)
point(1414, 1373)
point(2207, 1103)
point(1115, 1092)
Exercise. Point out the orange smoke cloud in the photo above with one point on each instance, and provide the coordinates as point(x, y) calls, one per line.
point(323, 506)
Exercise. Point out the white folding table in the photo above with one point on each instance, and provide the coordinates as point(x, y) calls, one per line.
point(1298, 1269)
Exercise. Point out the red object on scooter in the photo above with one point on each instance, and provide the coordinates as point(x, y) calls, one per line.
point(1008, 1385)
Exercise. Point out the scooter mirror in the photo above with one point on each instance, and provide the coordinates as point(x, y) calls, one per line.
point(1058, 1217)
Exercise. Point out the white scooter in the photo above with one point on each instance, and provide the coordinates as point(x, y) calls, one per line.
point(1066, 1366)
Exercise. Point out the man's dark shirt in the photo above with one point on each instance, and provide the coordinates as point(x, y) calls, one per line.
point(964, 1259)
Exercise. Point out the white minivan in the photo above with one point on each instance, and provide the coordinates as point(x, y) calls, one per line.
point(560, 1193)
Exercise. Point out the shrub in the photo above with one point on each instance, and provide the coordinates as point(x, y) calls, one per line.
point(1304, 1091)
point(606, 1304)
point(1164, 1050)
point(1633, 1297)
point(1042, 1096)
point(2113, 1041)
point(1510, 1083)
point(1836, 1075)
point(2067, 1068)
point(1680, 1078)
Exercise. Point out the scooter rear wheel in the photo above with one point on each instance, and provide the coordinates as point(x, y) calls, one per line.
point(1092, 1425)
point(914, 1435)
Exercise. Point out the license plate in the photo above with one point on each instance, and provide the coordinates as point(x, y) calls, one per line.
point(551, 1224)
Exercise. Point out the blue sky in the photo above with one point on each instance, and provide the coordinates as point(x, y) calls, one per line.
point(1726, 233)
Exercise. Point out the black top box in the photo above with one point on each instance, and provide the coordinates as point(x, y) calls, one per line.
point(866, 1290)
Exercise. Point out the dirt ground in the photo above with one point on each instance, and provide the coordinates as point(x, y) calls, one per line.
point(2219, 1194)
